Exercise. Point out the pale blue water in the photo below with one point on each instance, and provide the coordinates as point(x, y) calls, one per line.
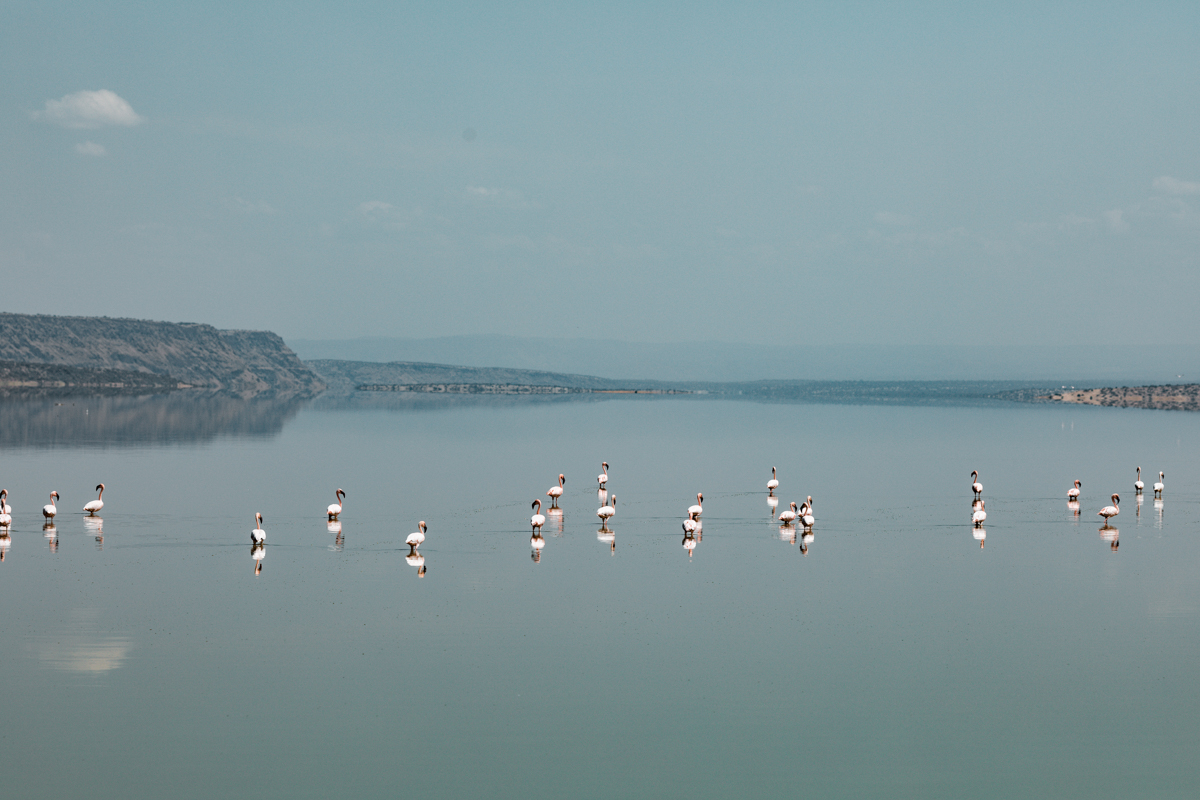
point(895, 659)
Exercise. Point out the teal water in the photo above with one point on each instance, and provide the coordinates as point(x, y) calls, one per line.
point(889, 656)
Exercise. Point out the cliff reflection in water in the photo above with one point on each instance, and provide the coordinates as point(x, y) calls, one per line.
point(147, 419)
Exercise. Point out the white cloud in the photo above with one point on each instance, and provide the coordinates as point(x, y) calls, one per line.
point(1169, 185)
point(246, 207)
point(501, 198)
point(89, 110)
point(375, 209)
point(888, 218)
point(1116, 220)
point(90, 149)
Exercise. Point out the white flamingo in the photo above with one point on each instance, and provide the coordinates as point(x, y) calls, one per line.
point(806, 515)
point(1073, 492)
point(4, 506)
point(606, 512)
point(976, 486)
point(1158, 487)
point(689, 524)
point(415, 538)
point(336, 508)
point(96, 504)
point(49, 510)
point(772, 484)
point(258, 535)
point(538, 519)
point(556, 492)
point(602, 478)
point(5, 517)
point(1111, 511)
point(977, 519)
point(697, 509)
point(1138, 485)
point(788, 516)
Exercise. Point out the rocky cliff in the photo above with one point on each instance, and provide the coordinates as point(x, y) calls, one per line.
point(243, 363)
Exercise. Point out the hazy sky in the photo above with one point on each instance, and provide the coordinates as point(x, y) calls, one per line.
point(797, 174)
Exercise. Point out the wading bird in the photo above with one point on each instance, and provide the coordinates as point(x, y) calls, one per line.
point(1073, 492)
point(1111, 511)
point(1138, 485)
point(258, 535)
point(602, 478)
point(556, 492)
point(772, 484)
point(979, 516)
point(1158, 487)
point(336, 508)
point(415, 538)
point(96, 504)
point(49, 510)
point(538, 519)
point(976, 486)
point(606, 512)
point(697, 509)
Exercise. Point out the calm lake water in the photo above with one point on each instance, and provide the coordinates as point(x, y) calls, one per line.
point(890, 656)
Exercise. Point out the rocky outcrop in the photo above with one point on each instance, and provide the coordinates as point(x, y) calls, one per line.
point(56, 379)
point(241, 363)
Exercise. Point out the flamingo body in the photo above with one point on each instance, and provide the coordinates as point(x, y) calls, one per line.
point(414, 539)
point(335, 509)
point(96, 504)
point(258, 535)
point(1111, 511)
point(555, 492)
point(538, 519)
point(49, 510)
point(1073, 492)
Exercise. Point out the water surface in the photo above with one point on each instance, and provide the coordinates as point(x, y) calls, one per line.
point(889, 656)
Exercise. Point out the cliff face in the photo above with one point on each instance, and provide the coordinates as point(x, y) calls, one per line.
point(243, 363)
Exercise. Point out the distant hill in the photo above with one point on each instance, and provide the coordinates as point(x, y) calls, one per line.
point(1051, 364)
point(243, 363)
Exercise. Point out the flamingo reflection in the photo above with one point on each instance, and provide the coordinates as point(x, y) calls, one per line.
point(805, 541)
point(537, 542)
point(556, 520)
point(51, 533)
point(258, 552)
point(772, 504)
point(609, 537)
point(980, 536)
point(5, 543)
point(334, 526)
point(1110, 535)
point(95, 526)
point(417, 560)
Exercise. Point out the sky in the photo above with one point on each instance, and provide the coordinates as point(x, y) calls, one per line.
point(785, 174)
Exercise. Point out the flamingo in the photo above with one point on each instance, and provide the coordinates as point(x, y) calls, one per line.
point(976, 486)
point(336, 508)
point(689, 524)
point(1158, 487)
point(1111, 511)
point(49, 510)
point(414, 539)
point(4, 506)
point(602, 478)
point(1073, 492)
point(258, 535)
point(556, 492)
point(96, 504)
point(772, 484)
point(537, 520)
point(697, 509)
point(5, 517)
point(1138, 485)
point(806, 515)
point(606, 512)
point(979, 516)
point(789, 516)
